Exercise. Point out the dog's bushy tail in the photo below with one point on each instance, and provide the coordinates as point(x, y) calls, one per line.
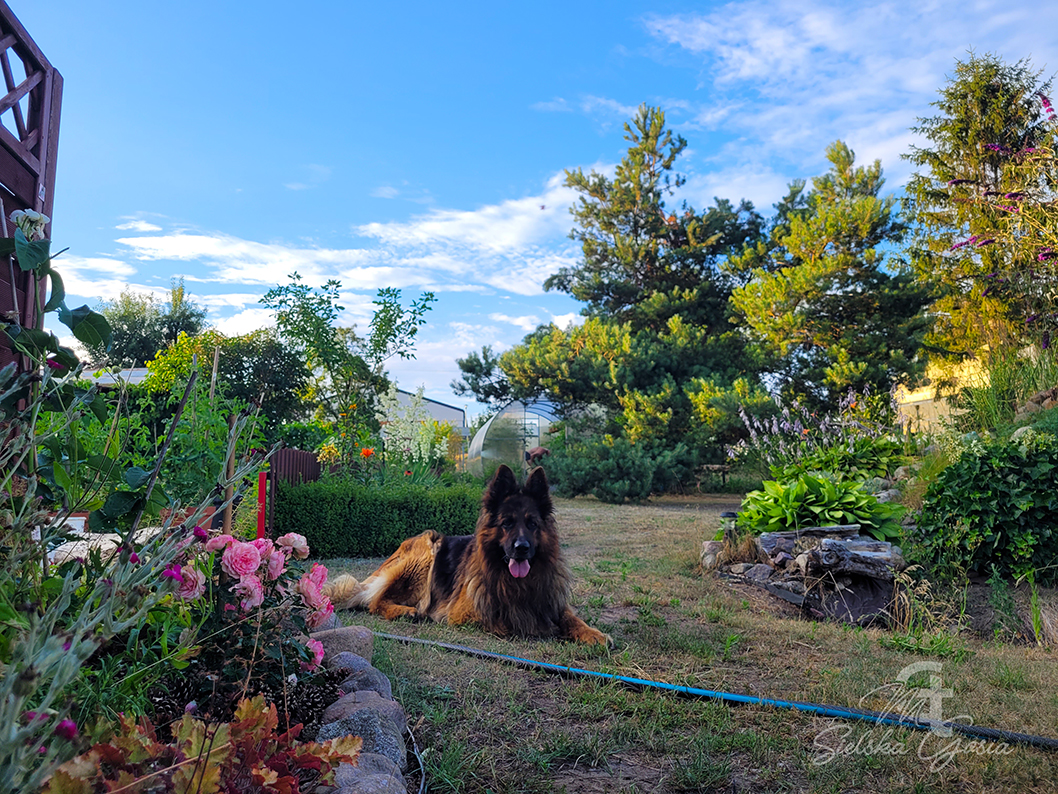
point(345, 592)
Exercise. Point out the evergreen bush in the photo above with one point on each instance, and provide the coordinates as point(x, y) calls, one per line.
point(615, 470)
point(343, 518)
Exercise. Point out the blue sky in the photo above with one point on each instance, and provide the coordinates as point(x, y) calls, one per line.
point(422, 145)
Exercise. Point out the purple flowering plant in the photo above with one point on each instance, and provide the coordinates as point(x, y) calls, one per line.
point(855, 441)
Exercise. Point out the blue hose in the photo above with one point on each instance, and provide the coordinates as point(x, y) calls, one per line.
point(840, 712)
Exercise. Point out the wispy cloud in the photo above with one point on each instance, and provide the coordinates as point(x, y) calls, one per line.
point(556, 105)
point(138, 226)
point(238, 261)
point(385, 191)
point(317, 174)
point(594, 104)
point(102, 278)
point(788, 78)
point(527, 322)
point(507, 226)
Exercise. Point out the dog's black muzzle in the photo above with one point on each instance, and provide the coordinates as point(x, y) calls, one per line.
point(521, 550)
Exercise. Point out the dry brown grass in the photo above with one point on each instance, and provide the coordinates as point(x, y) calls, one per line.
point(493, 728)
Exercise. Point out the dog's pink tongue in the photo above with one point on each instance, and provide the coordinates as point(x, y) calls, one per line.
point(518, 568)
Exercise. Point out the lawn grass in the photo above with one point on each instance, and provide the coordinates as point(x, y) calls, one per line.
point(486, 727)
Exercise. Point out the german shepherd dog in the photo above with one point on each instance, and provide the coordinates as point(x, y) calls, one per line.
point(508, 577)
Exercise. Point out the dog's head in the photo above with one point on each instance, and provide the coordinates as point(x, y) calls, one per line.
point(519, 517)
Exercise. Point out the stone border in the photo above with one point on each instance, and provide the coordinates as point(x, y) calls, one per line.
point(365, 709)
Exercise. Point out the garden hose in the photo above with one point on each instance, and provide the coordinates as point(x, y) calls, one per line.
point(840, 712)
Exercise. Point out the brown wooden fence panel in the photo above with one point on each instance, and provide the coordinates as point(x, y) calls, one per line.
point(295, 466)
point(27, 156)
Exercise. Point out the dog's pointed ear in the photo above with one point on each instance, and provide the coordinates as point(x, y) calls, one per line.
point(502, 485)
point(537, 488)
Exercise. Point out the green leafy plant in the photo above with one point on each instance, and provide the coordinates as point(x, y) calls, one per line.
point(810, 501)
point(858, 459)
point(995, 506)
point(245, 755)
point(54, 619)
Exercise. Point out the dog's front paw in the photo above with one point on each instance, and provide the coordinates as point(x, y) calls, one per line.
point(598, 638)
point(589, 636)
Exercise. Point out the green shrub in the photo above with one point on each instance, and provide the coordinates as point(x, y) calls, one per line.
point(996, 505)
point(617, 470)
point(304, 435)
point(856, 459)
point(341, 518)
point(809, 501)
point(1046, 421)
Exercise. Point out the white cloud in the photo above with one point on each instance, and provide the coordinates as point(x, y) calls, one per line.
point(503, 227)
point(100, 278)
point(527, 322)
point(245, 321)
point(786, 78)
point(138, 226)
point(556, 105)
point(567, 321)
point(591, 104)
point(316, 175)
point(754, 181)
point(385, 191)
point(239, 261)
point(226, 299)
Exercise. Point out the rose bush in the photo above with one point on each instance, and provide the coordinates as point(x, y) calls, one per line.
point(248, 607)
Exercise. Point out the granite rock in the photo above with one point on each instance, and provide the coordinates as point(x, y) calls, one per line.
point(351, 639)
point(379, 735)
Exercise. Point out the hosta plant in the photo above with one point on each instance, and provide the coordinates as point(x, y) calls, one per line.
point(810, 501)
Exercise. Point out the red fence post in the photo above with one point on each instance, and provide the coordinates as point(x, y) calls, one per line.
point(262, 493)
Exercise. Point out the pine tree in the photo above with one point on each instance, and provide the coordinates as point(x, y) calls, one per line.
point(825, 304)
point(990, 115)
point(643, 263)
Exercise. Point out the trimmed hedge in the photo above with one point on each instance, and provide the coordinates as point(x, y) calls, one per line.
point(340, 518)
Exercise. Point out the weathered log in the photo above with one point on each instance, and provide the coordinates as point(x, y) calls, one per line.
point(835, 558)
point(798, 540)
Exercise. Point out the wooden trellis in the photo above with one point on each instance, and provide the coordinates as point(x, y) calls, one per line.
point(29, 141)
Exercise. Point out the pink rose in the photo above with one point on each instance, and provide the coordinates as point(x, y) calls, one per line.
point(318, 575)
point(253, 590)
point(194, 585)
point(316, 649)
point(276, 565)
point(218, 543)
point(296, 543)
point(264, 546)
point(318, 617)
point(240, 559)
point(310, 593)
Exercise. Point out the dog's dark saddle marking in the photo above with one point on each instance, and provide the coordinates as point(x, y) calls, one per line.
point(446, 562)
